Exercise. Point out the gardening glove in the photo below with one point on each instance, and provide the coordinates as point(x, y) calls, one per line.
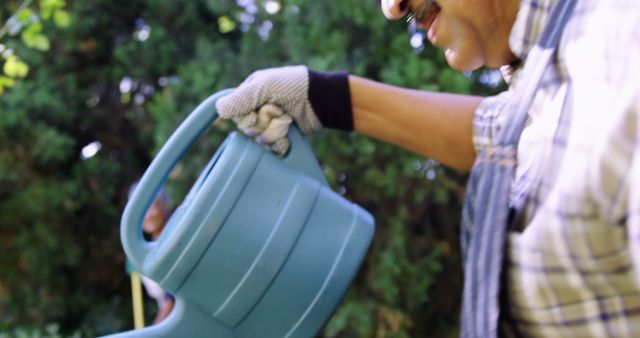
point(269, 100)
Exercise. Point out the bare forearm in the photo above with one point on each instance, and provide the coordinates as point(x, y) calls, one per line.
point(435, 125)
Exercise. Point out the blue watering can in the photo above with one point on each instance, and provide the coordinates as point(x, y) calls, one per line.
point(260, 246)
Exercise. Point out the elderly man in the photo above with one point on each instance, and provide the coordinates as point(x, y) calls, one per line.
point(551, 228)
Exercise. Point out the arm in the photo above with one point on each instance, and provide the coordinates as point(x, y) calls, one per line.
point(436, 125)
point(431, 124)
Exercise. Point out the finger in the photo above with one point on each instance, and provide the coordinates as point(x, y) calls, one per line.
point(280, 146)
point(267, 113)
point(278, 128)
point(246, 121)
point(248, 124)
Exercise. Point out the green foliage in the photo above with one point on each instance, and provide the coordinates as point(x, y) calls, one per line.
point(125, 74)
point(14, 68)
point(49, 331)
point(30, 26)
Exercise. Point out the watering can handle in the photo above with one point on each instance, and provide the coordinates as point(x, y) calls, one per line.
point(133, 242)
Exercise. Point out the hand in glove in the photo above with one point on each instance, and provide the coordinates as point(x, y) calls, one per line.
point(269, 100)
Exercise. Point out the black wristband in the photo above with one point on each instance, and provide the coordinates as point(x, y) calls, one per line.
point(330, 99)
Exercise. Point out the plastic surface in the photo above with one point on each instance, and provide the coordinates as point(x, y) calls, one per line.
point(260, 246)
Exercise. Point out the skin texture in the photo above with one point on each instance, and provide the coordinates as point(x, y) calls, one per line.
point(473, 33)
point(435, 125)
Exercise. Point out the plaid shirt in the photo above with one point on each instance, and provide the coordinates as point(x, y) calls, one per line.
point(573, 264)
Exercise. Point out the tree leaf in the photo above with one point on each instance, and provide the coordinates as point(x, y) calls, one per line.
point(62, 18)
point(32, 38)
point(5, 82)
point(225, 24)
point(49, 7)
point(25, 15)
point(15, 68)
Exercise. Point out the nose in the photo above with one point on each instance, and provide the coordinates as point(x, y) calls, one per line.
point(394, 9)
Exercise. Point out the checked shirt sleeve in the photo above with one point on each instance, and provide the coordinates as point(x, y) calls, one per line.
point(488, 119)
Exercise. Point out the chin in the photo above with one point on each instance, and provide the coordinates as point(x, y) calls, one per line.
point(463, 63)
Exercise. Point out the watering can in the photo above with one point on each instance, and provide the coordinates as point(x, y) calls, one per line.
point(260, 246)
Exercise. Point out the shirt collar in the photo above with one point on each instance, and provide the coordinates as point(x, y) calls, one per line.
point(532, 17)
point(530, 21)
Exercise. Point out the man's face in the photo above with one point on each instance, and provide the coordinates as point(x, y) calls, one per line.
point(472, 33)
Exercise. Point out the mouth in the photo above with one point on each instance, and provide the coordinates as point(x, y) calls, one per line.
point(423, 15)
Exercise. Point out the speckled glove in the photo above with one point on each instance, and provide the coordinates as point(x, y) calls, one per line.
point(266, 103)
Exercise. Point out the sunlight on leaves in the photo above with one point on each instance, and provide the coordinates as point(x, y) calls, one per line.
point(5, 82)
point(225, 24)
point(49, 7)
point(25, 15)
point(14, 67)
point(33, 37)
point(62, 18)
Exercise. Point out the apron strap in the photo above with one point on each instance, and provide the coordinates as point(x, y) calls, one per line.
point(539, 59)
point(487, 206)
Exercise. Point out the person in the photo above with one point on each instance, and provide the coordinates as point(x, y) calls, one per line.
point(568, 263)
point(152, 225)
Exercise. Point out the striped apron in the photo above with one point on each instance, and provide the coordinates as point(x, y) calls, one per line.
point(487, 207)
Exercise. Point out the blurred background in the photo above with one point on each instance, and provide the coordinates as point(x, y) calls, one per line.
point(89, 91)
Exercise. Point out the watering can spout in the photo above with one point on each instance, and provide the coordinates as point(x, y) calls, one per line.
point(184, 321)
